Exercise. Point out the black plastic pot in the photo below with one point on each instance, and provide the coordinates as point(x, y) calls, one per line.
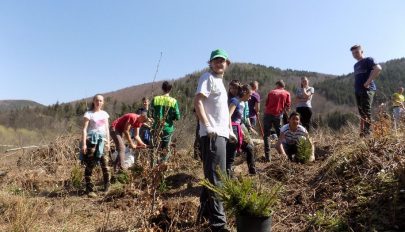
point(253, 224)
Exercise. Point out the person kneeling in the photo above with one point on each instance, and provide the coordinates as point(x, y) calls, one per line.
point(290, 135)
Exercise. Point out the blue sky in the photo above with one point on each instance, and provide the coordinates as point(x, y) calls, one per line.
point(67, 50)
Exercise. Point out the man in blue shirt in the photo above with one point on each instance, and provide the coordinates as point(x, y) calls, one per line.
point(365, 71)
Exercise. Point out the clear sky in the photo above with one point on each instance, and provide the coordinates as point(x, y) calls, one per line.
point(64, 50)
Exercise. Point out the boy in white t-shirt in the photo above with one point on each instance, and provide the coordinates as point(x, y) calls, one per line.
point(94, 136)
point(211, 105)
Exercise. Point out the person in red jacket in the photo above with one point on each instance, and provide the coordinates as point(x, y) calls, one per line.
point(278, 101)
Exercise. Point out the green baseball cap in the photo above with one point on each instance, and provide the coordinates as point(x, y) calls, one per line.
point(219, 53)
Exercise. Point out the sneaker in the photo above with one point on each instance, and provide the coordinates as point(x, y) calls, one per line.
point(92, 194)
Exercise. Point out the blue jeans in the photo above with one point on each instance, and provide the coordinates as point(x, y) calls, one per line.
point(270, 121)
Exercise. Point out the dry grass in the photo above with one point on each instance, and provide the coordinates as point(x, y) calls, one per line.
point(351, 181)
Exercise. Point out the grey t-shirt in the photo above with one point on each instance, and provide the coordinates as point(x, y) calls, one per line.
point(302, 101)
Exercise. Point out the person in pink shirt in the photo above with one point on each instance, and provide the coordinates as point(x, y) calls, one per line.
point(278, 101)
point(120, 128)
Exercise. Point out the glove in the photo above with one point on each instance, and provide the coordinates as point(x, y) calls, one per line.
point(232, 137)
point(211, 131)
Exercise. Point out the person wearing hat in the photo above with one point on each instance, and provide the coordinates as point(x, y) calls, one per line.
point(278, 101)
point(211, 105)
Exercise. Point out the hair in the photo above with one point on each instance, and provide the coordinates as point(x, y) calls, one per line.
point(92, 106)
point(354, 47)
point(234, 83)
point(253, 83)
point(243, 90)
point(293, 114)
point(280, 83)
point(166, 87)
point(303, 78)
point(145, 98)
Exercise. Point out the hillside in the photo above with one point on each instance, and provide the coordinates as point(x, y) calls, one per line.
point(354, 185)
point(18, 104)
point(340, 89)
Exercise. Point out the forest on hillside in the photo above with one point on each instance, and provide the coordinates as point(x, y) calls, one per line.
point(332, 104)
point(340, 89)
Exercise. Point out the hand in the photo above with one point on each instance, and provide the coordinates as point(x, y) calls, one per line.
point(107, 147)
point(142, 145)
point(84, 149)
point(133, 146)
point(367, 85)
point(211, 132)
point(232, 137)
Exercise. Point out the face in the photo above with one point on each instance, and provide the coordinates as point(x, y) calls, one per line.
point(304, 82)
point(98, 102)
point(294, 121)
point(357, 54)
point(256, 85)
point(145, 102)
point(400, 90)
point(246, 97)
point(218, 65)
point(143, 118)
point(233, 90)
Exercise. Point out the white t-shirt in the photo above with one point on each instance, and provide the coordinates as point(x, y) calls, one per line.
point(215, 104)
point(304, 102)
point(97, 121)
point(292, 137)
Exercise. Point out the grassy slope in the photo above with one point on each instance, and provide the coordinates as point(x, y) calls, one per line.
point(353, 184)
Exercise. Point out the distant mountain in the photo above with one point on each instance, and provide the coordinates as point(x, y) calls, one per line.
point(18, 104)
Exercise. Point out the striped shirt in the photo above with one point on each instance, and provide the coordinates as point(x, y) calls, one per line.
point(292, 137)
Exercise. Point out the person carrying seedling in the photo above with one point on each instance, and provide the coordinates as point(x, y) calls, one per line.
point(290, 135)
point(95, 143)
point(278, 102)
point(120, 128)
point(237, 110)
point(211, 104)
point(365, 71)
point(165, 110)
point(398, 108)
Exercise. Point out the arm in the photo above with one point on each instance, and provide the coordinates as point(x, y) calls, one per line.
point(199, 109)
point(177, 116)
point(257, 107)
point(108, 145)
point(279, 144)
point(232, 108)
point(128, 136)
point(138, 139)
point(373, 75)
point(287, 103)
point(306, 95)
point(84, 135)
